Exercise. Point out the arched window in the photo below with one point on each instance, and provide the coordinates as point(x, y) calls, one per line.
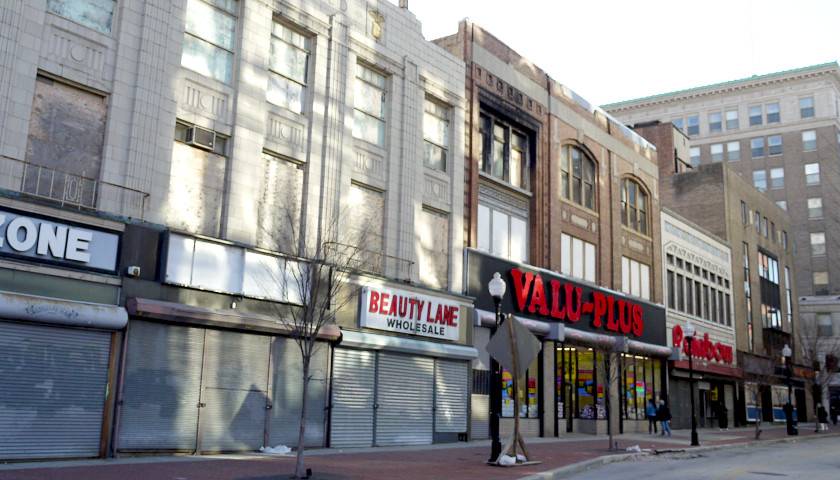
point(634, 206)
point(578, 173)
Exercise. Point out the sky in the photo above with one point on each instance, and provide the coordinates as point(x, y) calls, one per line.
point(612, 50)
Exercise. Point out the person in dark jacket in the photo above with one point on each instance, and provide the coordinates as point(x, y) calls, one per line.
point(663, 414)
point(650, 412)
point(832, 408)
point(822, 417)
point(723, 417)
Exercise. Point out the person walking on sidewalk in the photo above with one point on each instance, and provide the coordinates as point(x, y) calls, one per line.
point(663, 414)
point(822, 417)
point(650, 412)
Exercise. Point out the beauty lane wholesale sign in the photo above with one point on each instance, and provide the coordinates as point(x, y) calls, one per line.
point(410, 313)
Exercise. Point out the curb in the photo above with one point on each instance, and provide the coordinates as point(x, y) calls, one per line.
point(578, 467)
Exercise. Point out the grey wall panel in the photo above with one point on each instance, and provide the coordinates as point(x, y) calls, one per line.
point(52, 391)
point(352, 398)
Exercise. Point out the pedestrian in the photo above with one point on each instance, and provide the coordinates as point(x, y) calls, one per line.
point(833, 410)
point(650, 412)
point(822, 417)
point(663, 414)
point(723, 418)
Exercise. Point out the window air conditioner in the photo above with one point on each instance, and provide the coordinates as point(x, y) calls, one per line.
point(201, 138)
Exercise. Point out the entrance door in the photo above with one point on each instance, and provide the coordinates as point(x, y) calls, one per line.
point(234, 396)
point(801, 405)
point(404, 400)
point(354, 374)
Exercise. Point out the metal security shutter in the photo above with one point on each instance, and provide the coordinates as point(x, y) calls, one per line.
point(451, 395)
point(405, 397)
point(234, 388)
point(480, 417)
point(161, 387)
point(353, 379)
point(52, 391)
point(286, 395)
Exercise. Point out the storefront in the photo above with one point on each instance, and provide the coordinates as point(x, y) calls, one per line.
point(57, 335)
point(409, 384)
point(584, 329)
point(223, 376)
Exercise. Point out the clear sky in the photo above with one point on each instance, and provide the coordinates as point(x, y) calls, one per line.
point(611, 50)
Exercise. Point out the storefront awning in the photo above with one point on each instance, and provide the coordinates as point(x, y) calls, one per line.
point(178, 312)
point(373, 341)
point(55, 311)
point(551, 331)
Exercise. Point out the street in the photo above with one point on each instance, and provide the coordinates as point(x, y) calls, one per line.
point(812, 459)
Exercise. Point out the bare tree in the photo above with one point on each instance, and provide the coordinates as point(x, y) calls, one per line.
point(819, 352)
point(762, 373)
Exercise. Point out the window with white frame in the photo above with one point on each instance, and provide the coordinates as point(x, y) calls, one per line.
point(782, 204)
point(806, 107)
point(733, 151)
point(635, 278)
point(577, 258)
point(505, 152)
point(825, 325)
point(95, 14)
point(774, 145)
point(679, 123)
point(773, 114)
point(812, 174)
point(634, 206)
point(578, 177)
point(369, 105)
point(820, 279)
point(715, 122)
point(209, 38)
point(716, 149)
point(815, 208)
point(502, 234)
point(435, 134)
point(694, 156)
point(817, 244)
point(366, 226)
point(760, 180)
point(809, 140)
point(288, 62)
point(777, 178)
point(756, 115)
point(757, 147)
point(433, 252)
point(693, 125)
point(732, 120)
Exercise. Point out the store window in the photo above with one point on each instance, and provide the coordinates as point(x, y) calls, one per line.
point(578, 177)
point(641, 382)
point(577, 258)
point(209, 38)
point(287, 66)
point(634, 206)
point(369, 105)
point(505, 152)
point(529, 392)
point(95, 14)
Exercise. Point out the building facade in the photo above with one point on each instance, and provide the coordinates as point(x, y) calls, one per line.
point(765, 312)
point(168, 166)
point(563, 202)
point(698, 289)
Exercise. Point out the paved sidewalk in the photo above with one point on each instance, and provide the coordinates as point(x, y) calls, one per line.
point(461, 460)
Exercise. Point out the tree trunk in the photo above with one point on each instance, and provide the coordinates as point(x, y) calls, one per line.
point(300, 468)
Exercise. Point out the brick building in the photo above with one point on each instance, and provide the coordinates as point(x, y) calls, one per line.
point(559, 190)
point(763, 271)
point(178, 158)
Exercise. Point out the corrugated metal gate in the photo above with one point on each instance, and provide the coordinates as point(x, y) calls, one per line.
point(405, 399)
point(52, 392)
point(354, 374)
point(451, 395)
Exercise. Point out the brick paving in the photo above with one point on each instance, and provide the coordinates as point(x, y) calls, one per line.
point(434, 462)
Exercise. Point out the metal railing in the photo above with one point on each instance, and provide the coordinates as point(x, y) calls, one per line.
point(368, 261)
point(71, 190)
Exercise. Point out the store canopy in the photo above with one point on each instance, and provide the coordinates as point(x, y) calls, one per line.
point(33, 308)
point(373, 341)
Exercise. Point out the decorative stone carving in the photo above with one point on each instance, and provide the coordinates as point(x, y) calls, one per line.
point(435, 191)
point(205, 101)
point(369, 164)
point(376, 24)
point(69, 49)
point(287, 133)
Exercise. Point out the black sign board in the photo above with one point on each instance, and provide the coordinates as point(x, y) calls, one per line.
point(551, 297)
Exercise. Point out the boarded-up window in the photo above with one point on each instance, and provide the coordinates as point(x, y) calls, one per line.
point(280, 204)
point(364, 225)
point(196, 189)
point(433, 248)
point(66, 133)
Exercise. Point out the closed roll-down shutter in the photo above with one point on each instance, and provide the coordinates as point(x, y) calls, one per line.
point(451, 395)
point(405, 400)
point(161, 387)
point(234, 396)
point(479, 422)
point(352, 398)
point(287, 389)
point(52, 390)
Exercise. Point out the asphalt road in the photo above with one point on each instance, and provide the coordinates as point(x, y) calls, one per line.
point(809, 459)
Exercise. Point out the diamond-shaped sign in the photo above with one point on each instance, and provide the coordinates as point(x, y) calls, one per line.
point(528, 346)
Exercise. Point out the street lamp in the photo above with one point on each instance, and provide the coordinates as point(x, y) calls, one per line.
point(689, 335)
point(497, 288)
point(787, 353)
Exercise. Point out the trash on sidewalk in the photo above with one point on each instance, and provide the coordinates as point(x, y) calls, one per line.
point(506, 460)
point(634, 448)
point(278, 450)
point(521, 458)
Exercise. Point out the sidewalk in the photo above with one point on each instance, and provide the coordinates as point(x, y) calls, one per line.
point(460, 460)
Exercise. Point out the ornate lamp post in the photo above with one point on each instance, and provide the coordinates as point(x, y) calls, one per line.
point(497, 288)
point(689, 335)
point(787, 353)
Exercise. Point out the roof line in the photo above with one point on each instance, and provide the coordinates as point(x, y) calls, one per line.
point(782, 73)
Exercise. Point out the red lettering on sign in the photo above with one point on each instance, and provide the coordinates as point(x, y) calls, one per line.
point(520, 288)
point(383, 303)
point(703, 348)
point(612, 325)
point(600, 301)
point(573, 302)
point(538, 301)
point(638, 323)
point(556, 311)
point(374, 301)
